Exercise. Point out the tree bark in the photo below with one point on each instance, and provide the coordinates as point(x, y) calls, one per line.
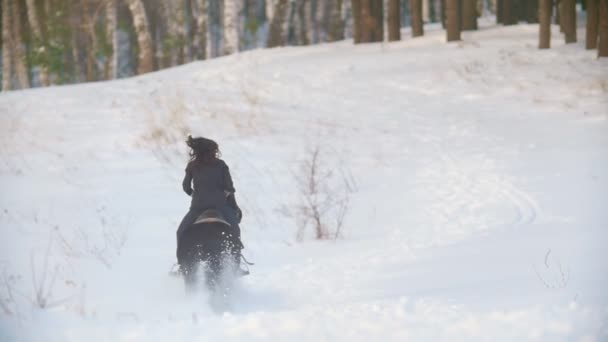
point(276, 36)
point(144, 40)
point(368, 22)
point(356, 7)
point(7, 65)
point(443, 15)
point(568, 16)
point(336, 24)
point(394, 20)
point(379, 14)
point(231, 32)
point(532, 11)
point(39, 40)
point(202, 27)
point(509, 15)
point(545, 10)
point(417, 24)
point(592, 24)
point(452, 20)
point(303, 22)
point(602, 50)
point(112, 37)
point(19, 49)
point(469, 15)
point(499, 12)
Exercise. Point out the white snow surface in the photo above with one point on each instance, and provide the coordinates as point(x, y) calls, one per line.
point(478, 173)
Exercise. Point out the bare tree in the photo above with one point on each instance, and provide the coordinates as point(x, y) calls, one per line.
point(144, 40)
point(417, 22)
point(276, 36)
point(452, 20)
point(469, 14)
point(532, 11)
point(7, 48)
point(336, 23)
point(545, 9)
point(568, 20)
point(371, 20)
point(324, 198)
point(231, 31)
point(303, 21)
point(201, 13)
point(356, 8)
point(592, 24)
point(19, 47)
point(33, 19)
point(602, 49)
point(394, 20)
point(509, 14)
point(112, 37)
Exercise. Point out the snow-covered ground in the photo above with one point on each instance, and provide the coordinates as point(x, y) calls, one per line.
point(477, 174)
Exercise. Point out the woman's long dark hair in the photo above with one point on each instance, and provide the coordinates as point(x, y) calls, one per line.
point(203, 149)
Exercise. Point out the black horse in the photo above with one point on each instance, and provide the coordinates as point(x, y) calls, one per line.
point(210, 244)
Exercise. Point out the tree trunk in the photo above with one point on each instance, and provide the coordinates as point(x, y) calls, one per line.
point(499, 12)
point(568, 16)
point(509, 15)
point(356, 6)
point(545, 10)
point(394, 20)
point(38, 39)
point(378, 13)
point(469, 15)
point(276, 36)
point(202, 27)
point(443, 15)
point(532, 11)
point(592, 24)
point(336, 30)
point(7, 65)
point(417, 24)
point(19, 49)
point(303, 22)
point(602, 50)
point(231, 31)
point(144, 40)
point(367, 21)
point(452, 20)
point(112, 37)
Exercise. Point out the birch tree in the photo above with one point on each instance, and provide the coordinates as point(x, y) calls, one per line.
point(201, 33)
point(276, 34)
point(231, 31)
point(144, 40)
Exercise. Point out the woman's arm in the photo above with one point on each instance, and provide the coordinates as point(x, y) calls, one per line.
point(187, 182)
point(228, 185)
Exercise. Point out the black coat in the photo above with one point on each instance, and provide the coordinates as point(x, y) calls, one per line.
point(213, 187)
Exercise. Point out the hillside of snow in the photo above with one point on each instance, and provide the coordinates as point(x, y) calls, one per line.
point(476, 176)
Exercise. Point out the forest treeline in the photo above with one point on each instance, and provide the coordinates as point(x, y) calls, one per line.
point(47, 42)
